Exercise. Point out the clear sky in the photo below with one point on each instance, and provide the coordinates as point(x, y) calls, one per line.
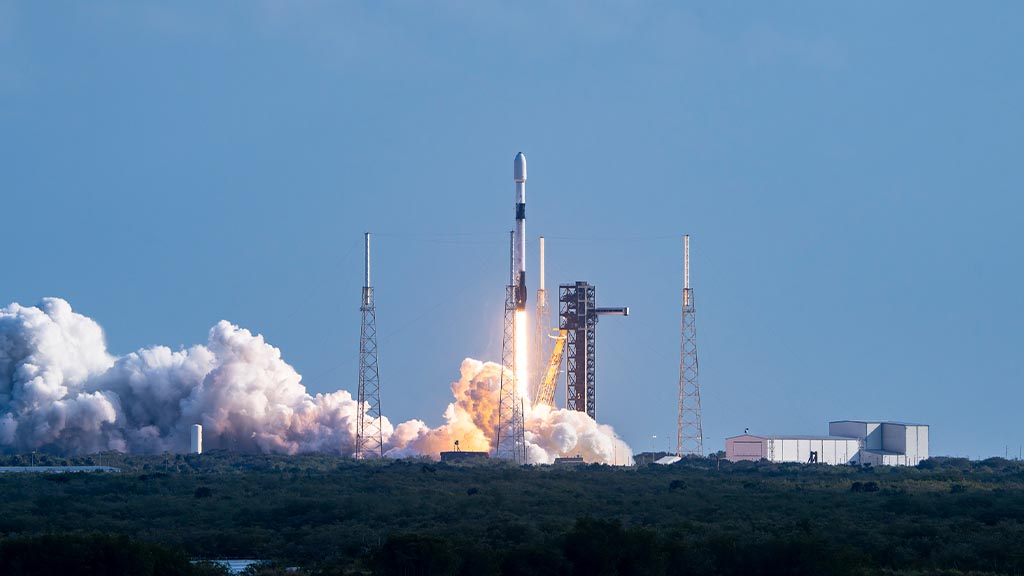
point(851, 177)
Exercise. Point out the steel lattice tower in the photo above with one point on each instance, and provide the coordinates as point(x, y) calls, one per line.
point(510, 438)
point(577, 316)
point(575, 301)
point(690, 434)
point(369, 437)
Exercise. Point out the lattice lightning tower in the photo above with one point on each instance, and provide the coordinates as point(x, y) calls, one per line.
point(690, 435)
point(511, 439)
point(369, 437)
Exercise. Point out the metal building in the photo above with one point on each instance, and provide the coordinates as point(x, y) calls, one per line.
point(780, 448)
point(872, 442)
point(886, 443)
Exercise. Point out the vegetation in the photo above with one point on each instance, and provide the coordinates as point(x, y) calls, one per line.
point(335, 516)
point(95, 554)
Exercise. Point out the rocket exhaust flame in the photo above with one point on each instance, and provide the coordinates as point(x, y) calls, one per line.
point(62, 392)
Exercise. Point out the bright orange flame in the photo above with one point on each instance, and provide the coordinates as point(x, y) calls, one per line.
point(522, 349)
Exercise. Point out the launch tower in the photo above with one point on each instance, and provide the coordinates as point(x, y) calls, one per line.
point(577, 317)
point(510, 441)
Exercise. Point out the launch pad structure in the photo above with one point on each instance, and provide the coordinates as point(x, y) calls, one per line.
point(369, 436)
point(577, 321)
point(510, 439)
point(577, 317)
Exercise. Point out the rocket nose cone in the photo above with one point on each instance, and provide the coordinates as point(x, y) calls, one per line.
point(520, 167)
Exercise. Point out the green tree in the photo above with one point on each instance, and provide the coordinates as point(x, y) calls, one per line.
point(416, 555)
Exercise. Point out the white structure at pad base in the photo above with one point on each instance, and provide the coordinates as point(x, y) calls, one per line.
point(196, 446)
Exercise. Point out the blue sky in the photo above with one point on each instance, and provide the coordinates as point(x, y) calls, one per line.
point(850, 176)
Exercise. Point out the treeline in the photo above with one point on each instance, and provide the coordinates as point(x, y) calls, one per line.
point(596, 547)
point(96, 554)
point(332, 515)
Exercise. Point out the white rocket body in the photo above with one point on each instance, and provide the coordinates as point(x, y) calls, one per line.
point(519, 245)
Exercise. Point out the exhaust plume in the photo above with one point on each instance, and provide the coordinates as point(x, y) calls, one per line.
point(473, 418)
point(61, 391)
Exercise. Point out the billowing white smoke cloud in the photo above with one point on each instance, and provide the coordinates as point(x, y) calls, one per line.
point(60, 390)
point(472, 420)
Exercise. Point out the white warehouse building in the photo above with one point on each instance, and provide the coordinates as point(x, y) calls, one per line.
point(777, 448)
point(886, 443)
point(848, 442)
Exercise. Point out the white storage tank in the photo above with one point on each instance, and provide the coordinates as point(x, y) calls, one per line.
point(196, 446)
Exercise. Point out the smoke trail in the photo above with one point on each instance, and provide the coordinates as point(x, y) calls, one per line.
point(62, 391)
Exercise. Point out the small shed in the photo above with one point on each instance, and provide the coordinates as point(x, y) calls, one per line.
point(459, 456)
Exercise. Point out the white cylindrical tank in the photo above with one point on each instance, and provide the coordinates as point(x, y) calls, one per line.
point(197, 440)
